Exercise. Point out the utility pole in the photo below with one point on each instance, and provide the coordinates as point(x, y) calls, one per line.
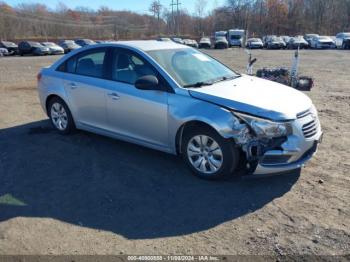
point(177, 4)
point(172, 15)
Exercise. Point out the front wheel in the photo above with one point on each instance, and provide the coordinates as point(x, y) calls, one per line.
point(209, 155)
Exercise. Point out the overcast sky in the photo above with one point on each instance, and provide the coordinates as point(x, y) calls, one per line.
point(140, 6)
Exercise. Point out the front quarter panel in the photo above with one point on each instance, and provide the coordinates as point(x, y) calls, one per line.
point(184, 108)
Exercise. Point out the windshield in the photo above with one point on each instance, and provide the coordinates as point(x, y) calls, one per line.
point(235, 37)
point(48, 44)
point(347, 34)
point(190, 67)
point(35, 44)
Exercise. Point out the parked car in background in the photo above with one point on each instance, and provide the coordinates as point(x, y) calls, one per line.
point(342, 40)
point(194, 43)
point(84, 42)
point(11, 47)
point(191, 43)
point(275, 42)
point(236, 37)
point(221, 42)
point(181, 101)
point(285, 38)
point(177, 40)
point(205, 42)
point(254, 43)
point(164, 39)
point(32, 48)
point(53, 48)
point(4, 51)
point(322, 42)
point(297, 42)
point(68, 45)
point(266, 39)
point(309, 37)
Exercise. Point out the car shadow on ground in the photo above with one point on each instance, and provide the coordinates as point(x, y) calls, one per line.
point(101, 183)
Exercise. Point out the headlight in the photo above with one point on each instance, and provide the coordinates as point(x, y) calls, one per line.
point(266, 128)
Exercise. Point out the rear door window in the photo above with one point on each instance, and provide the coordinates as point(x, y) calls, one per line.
point(90, 64)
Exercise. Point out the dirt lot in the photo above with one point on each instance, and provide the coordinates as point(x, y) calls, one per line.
point(87, 194)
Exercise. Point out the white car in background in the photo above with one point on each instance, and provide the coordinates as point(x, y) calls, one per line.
point(254, 43)
point(54, 49)
point(343, 40)
point(322, 42)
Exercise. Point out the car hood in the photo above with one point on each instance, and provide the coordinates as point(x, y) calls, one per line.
point(255, 96)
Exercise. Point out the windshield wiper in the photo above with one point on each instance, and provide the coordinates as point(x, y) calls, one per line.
point(211, 82)
point(225, 78)
point(198, 84)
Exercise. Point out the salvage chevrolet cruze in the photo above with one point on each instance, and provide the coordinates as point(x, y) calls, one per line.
point(173, 98)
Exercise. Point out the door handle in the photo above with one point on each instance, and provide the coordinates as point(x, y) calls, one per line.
point(73, 85)
point(114, 96)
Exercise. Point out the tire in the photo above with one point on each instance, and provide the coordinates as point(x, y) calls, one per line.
point(60, 116)
point(220, 155)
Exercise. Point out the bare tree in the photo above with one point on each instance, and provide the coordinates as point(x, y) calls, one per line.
point(200, 7)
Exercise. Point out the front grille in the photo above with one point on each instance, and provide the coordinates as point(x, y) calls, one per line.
point(310, 128)
point(304, 113)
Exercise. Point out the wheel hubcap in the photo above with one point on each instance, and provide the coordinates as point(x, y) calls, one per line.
point(204, 154)
point(59, 116)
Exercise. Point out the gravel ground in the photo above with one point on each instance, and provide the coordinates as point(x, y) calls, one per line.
point(87, 194)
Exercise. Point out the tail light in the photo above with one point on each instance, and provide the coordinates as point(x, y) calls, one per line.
point(38, 77)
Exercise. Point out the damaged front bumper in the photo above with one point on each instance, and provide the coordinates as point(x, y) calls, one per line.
point(276, 167)
point(278, 155)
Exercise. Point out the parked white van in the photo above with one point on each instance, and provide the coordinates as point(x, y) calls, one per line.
point(236, 37)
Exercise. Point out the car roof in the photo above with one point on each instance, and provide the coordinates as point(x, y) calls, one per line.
point(149, 45)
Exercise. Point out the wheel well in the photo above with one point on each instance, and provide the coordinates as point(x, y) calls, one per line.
point(187, 126)
point(48, 99)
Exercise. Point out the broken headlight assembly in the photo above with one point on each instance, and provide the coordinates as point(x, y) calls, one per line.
point(264, 128)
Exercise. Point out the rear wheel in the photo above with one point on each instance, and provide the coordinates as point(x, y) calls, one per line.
point(209, 155)
point(60, 116)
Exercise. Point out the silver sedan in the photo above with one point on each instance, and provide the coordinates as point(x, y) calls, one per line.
point(173, 98)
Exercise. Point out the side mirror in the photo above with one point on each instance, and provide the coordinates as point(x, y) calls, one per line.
point(148, 82)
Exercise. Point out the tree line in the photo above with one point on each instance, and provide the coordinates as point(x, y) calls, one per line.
point(259, 17)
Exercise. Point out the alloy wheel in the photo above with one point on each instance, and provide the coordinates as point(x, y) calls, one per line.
point(204, 154)
point(59, 116)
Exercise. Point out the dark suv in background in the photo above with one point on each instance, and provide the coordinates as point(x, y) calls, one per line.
point(12, 48)
point(32, 48)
